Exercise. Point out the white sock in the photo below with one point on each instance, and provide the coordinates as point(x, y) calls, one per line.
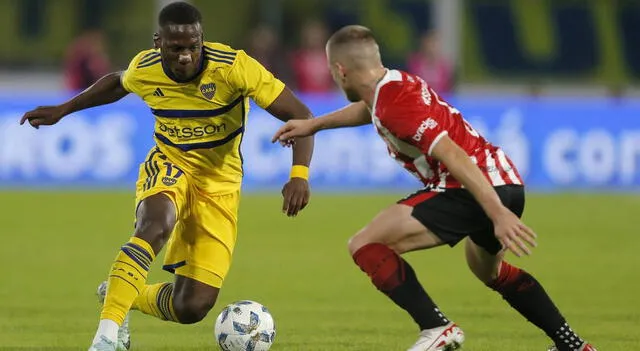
point(108, 329)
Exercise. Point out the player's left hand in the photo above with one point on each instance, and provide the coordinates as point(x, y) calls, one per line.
point(513, 234)
point(296, 196)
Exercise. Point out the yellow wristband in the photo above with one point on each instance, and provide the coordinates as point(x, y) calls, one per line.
point(299, 171)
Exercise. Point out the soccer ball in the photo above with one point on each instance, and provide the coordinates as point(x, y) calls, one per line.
point(245, 326)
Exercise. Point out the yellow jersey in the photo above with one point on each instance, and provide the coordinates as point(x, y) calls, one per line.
point(199, 124)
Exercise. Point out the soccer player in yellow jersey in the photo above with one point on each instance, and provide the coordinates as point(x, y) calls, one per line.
point(189, 185)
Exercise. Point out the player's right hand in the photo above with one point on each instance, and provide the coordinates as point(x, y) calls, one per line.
point(295, 128)
point(513, 234)
point(43, 116)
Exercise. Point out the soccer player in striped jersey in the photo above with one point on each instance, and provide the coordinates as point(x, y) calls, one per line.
point(188, 189)
point(471, 190)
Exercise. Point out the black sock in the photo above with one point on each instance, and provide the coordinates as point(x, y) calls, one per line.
point(566, 339)
point(525, 294)
point(394, 276)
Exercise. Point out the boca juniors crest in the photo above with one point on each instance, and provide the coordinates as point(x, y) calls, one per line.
point(208, 90)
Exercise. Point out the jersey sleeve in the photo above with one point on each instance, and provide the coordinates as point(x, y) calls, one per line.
point(409, 118)
point(254, 80)
point(129, 79)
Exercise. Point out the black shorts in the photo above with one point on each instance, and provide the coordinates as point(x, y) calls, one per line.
point(454, 214)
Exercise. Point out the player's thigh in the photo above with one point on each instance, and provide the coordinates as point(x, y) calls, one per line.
point(397, 228)
point(161, 198)
point(202, 246)
point(450, 215)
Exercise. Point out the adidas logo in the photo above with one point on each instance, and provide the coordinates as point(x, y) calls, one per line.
point(158, 92)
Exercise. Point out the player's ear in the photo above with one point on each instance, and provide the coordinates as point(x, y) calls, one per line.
point(342, 71)
point(156, 40)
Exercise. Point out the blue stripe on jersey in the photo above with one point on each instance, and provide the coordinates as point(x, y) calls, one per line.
point(211, 58)
point(197, 113)
point(148, 57)
point(203, 145)
point(149, 54)
point(225, 54)
point(153, 62)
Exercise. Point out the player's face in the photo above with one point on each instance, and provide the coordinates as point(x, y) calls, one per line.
point(181, 49)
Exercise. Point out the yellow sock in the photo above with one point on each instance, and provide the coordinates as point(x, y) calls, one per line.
point(127, 278)
point(156, 300)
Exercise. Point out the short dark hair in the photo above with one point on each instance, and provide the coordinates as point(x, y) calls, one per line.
point(179, 13)
point(352, 34)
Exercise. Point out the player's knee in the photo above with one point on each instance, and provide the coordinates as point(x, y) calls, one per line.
point(193, 309)
point(366, 237)
point(155, 231)
point(357, 241)
point(486, 273)
point(156, 218)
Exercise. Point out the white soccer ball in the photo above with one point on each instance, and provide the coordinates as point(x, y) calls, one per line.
point(245, 326)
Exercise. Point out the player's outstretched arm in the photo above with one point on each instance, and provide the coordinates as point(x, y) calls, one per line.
point(106, 90)
point(353, 115)
point(288, 108)
point(511, 232)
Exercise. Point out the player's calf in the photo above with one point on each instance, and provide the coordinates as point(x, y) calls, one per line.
point(192, 300)
point(375, 249)
point(524, 293)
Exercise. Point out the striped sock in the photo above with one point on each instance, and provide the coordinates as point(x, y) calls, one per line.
point(156, 300)
point(126, 279)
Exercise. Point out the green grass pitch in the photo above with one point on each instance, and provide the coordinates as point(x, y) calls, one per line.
point(57, 247)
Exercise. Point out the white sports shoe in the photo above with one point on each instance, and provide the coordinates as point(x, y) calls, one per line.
point(446, 338)
point(103, 345)
point(124, 336)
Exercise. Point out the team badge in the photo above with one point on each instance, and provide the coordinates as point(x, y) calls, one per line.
point(168, 181)
point(208, 90)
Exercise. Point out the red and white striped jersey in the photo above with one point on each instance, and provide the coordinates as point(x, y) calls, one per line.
point(412, 118)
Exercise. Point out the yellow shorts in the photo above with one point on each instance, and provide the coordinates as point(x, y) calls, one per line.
point(202, 242)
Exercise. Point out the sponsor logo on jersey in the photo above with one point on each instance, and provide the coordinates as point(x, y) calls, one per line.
point(428, 123)
point(208, 90)
point(188, 132)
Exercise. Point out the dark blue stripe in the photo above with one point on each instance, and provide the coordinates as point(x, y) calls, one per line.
point(241, 138)
point(171, 268)
point(146, 263)
point(154, 180)
point(148, 54)
point(150, 63)
point(221, 61)
point(197, 113)
point(147, 166)
point(166, 300)
point(204, 145)
point(160, 300)
point(220, 57)
point(227, 54)
point(134, 258)
point(148, 58)
point(117, 276)
point(138, 248)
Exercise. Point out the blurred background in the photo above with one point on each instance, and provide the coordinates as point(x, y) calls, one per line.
point(555, 82)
